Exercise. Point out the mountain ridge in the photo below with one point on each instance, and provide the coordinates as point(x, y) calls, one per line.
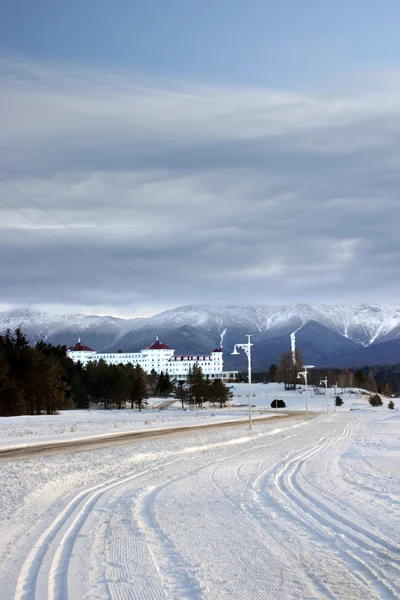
point(331, 331)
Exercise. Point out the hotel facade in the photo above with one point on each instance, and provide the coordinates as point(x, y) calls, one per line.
point(160, 358)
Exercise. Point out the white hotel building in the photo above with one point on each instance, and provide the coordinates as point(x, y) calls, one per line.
point(159, 357)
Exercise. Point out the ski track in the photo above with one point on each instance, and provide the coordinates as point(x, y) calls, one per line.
point(257, 527)
point(362, 545)
point(77, 511)
point(72, 518)
point(359, 544)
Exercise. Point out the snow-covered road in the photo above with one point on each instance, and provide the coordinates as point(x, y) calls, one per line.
point(294, 510)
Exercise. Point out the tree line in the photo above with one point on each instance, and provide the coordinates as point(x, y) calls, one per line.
point(43, 379)
point(286, 372)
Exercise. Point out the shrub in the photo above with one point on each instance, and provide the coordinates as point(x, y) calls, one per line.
point(391, 405)
point(278, 404)
point(338, 401)
point(375, 400)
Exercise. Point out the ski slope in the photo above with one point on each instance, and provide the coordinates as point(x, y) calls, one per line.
point(294, 510)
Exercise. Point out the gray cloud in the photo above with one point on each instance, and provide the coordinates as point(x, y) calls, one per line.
point(203, 194)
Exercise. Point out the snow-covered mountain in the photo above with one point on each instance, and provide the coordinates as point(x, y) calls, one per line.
point(326, 334)
point(363, 324)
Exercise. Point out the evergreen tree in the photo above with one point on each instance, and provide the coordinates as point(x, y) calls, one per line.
point(12, 402)
point(47, 386)
point(338, 401)
point(182, 393)
point(139, 388)
point(359, 379)
point(19, 357)
point(375, 400)
point(219, 392)
point(79, 388)
point(165, 387)
point(196, 385)
point(119, 389)
point(272, 372)
point(152, 383)
point(99, 383)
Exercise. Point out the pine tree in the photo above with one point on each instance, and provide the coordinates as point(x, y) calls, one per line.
point(11, 397)
point(359, 379)
point(219, 392)
point(272, 372)
point(165, 387)
point(196, 385)
point(139, 388)
point(161, 384)
point(152, 383)
point(182, 393)
point(78, 385)
point(47, 386)
point(375, 400)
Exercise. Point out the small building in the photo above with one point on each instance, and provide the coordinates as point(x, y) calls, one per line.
point(160, 358)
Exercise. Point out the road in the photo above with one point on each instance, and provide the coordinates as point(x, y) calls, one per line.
point(129, 437)
point(294, 511)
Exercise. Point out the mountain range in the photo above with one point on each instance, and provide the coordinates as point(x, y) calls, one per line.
point(326, 335)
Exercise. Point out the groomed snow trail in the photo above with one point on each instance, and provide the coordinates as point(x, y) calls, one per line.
point(299, 511)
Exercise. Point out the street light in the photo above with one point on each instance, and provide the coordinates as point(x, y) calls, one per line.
point(325, 383)
point(304, 375)
point(247, 349)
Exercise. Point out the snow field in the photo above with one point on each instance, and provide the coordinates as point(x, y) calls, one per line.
point(299, 510)
point(78, 424)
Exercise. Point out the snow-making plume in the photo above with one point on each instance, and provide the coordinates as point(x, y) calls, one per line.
point(222, 338)
point(293, 341)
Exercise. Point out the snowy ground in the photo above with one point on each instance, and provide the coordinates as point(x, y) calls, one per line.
point(294, 510)
point(77, 424)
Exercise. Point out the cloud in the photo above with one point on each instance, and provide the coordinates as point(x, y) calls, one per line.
point(197, 194)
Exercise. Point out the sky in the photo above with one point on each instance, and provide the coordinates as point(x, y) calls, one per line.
point(170, 152)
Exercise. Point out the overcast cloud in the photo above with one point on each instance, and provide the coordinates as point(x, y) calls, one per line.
point(204, 194)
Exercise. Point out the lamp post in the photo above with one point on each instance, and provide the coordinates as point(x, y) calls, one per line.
point(247, 349)
point(325, 383)
point(304, 374)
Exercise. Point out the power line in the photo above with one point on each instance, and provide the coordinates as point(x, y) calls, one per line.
point(57, 237)
point(84, 237)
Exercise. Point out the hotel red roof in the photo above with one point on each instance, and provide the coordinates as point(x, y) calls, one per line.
point(157, 345)
point(78, 347)
point(217, 350)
